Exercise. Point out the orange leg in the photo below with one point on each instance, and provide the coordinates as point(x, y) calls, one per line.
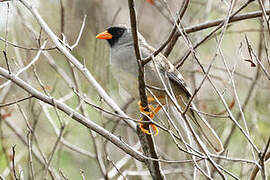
point(150, 114)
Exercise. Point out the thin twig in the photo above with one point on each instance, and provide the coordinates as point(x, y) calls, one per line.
point(115, 15)
point(30, 160)
point(180, 62)
point(7, 62)
point(263, 158)
point(80, 33)
point(13, 163)
point(118, 170)
point(62, 16)
point(75, 62)
point(172, 43)
point(258, 60)
point(262, 161)
point(15, 102)
point(63, 175)
point(55, 146)
point(6, 28)
point(34, 60)
point(75, 115)
point(265, 17)
point(27, 48)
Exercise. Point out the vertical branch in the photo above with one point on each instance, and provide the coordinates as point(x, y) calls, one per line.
point(262, 160)
point(170, 46)
point(96, 143)
point(30, 160)
point(6, 28)
point(266, 20)
point(62, 15)
point(13, 163)
point(2, 144)
point(6, 39)
point(137, 53)
point(147, 141)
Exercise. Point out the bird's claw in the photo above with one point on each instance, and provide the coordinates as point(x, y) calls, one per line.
point(151, 115)
point(146, 131)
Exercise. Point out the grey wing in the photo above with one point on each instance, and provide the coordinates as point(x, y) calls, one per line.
point(174, 76)
point(178, 79)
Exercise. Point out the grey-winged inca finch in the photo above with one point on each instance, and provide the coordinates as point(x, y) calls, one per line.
point(159, 72)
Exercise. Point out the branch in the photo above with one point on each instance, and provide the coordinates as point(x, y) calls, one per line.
point(13, 163)
point(15, 102)
point(264, 157)
point(147, 142)
point(76, 63)
point(35, 59)
point(236, 18)
point(73, 114)
point(170, 46)
point(181, 61)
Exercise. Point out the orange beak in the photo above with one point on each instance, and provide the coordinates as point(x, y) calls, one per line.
point(104, 35)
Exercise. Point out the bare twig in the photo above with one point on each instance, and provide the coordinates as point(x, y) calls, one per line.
point(235, 18)
point(26, 67)
point(263, 158)
point(147, 141)
point(6, 37)
point(36, 153)
point(6, 28)
point(55, 146)
point(66, 143)
point(258, 60)
point(118, 170)
point(76, 116)
point(27, 48)
point(249, 95)
point(63, 175)
point(172, 43)
point(265, 17)
point(80, 33)
point(3, 146)
point(13, 163)
point(75, 62)
point(15, 102)
point(115, 15)
point(7, 63)
point(31, 167)
point(62, 16)
point(203, 26)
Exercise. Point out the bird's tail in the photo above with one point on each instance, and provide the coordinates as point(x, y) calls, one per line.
point(207, 131)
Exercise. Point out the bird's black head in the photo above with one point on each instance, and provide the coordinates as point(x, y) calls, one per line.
point(112, 34)
point(116, 32)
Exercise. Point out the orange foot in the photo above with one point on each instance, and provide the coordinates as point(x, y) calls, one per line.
point(151, 115)
point(146, 131)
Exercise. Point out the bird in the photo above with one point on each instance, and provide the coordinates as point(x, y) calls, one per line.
point(158, 72)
